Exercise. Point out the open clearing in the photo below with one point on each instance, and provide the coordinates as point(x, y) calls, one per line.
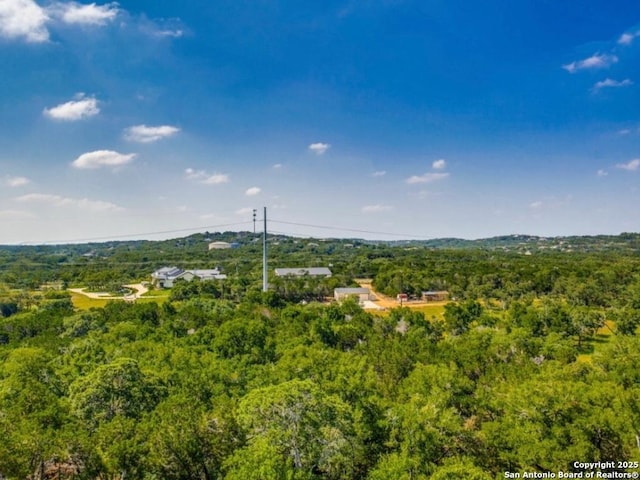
point(382, 301)
point(84, 300)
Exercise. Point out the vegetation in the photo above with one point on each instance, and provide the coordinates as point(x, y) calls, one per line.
point(222, 381)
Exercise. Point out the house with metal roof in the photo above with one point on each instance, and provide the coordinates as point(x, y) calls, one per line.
point(301, 272)
point(166, 277)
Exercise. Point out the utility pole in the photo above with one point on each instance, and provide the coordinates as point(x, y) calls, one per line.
point(265, 282)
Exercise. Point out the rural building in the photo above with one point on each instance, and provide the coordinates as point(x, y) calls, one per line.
point(166, 277)
point(363, 294)
point(301, 272)
point(435, 296)
point(402, 297)
point(219, 245)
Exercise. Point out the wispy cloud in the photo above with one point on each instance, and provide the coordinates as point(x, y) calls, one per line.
point(200, 176)
point(102, 158)
point(162, 28)
point(536, 205)
point(78, 109)
point(426, 178)
point(61, 202)
point(631, 165)
point(595, 61)
point(277, 166)
point(244, 211)
point(379, 173)
point(15, 182)
point(439, 164)
point(15, 214)
point(23, 20)
point(602, 173)
point(73, 13)
point(319, 148)
point(145, 134)
point(376, 208)
point(253, 191)
point(609, 83)
point(627, 38)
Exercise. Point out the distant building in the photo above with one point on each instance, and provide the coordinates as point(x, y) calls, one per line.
point(435, 296)
point(219, 245)
point(402, 297)
point(166, 277)
point(301, 272)
point(363, 294)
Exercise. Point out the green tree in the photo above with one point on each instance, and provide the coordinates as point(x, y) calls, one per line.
point(119, 388)
point(303, 430)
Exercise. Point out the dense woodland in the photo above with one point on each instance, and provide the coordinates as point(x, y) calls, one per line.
point(534, 365)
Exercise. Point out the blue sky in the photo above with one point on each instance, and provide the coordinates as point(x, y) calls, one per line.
point(380, 119)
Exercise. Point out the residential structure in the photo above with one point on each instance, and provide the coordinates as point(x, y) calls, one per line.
point(166, 277)
point(301, 272)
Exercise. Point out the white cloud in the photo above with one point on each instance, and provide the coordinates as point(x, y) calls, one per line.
point(102, 158)
point(426, 178)
point(252, 192)
point(17, 181)
point(203, 177)
point(602, 173)
point(319, 148)
point(624, 131)
point(627, 38)
point(63, 202)
point(379, 173)
point(78, 109)
point(439, 164)
point(277, 166)
point(593, 62)
point(74, 13)
point(536, 205)
point(376, 208)
point(609, 83)
point(632, 165)
point(145, 134)
point(23, 19)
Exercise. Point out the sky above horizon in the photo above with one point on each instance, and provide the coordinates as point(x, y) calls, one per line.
point(379, 119)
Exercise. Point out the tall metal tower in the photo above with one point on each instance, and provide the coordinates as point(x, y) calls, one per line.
point(265, 282)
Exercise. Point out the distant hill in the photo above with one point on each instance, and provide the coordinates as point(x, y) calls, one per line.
point(624, 242)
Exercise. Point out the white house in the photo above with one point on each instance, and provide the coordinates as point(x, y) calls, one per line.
point(166, 277)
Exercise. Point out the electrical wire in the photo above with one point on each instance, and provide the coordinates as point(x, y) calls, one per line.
point(160, 232)
point(345, 229)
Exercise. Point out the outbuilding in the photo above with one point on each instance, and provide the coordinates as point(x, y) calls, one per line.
point(363, 294)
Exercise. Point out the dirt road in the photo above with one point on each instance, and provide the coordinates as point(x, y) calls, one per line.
point(139, 288)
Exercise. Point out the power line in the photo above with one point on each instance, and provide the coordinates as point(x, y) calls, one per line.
point(344, 229)
point(206, 227)
point(159, 232)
